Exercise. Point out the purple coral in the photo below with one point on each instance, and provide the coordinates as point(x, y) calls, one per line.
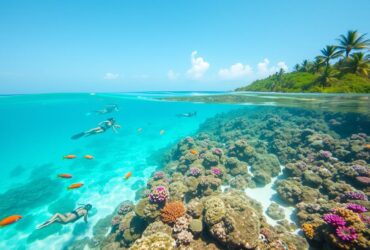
point(356, 208)
point(334, 220)
point(194, 171)
point(158, 195)
point(361, 170)
point(217, 151)
point(354, 195)
point(116, 220)
point(346, 233)
point(216, 171)
point(325, 154)
point(159, 175)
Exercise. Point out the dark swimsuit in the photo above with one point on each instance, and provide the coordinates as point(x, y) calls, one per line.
point(76, 213)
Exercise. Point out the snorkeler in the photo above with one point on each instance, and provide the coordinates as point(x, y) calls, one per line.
point(101, 128)
point(73, 216)
point(108, 109)
point(190, 114)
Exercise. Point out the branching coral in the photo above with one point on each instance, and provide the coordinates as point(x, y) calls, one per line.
point(308, 230)
point(172, 211)
point(356, 208)
point(334, 220)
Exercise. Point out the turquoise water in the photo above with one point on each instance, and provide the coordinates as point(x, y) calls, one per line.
point(35, 133)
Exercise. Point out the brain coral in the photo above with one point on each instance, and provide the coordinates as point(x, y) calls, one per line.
point(157, 241)
point(172, 211)
point(215, 210)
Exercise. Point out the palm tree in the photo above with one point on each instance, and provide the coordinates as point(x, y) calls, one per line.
point(328, 53)
point(358, 64)
point(297, 67)
point(306, 66)
point(317, 65)
point(352, 41)
point(328, 76)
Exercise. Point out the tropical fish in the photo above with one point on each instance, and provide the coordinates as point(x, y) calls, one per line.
point(162, 132)
point(128, 175)
point(139, 130)
point(193, 151)
point(367, 146)
point(75, 185)
point(69, 157)
point(89, 157)
point(66, 176)
point(10, 220)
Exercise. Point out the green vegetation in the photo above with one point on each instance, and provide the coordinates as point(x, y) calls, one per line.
point(342, 68)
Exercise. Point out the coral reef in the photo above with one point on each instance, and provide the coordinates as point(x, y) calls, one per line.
point(325, 161)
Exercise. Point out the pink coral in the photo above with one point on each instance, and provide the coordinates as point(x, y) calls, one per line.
point(216, 171)
point(159, 195)
point(356, 208)
point(325, 154)
point(346, 233)
point(217, 151)
point(194, 171)
point(353, 195)
point(334, 220)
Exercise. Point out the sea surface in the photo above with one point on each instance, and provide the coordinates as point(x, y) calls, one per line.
point(35, 134)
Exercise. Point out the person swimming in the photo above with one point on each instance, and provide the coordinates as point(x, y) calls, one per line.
point(101, 128)
point(190, 114)
point(108, 109)
point(73, 216)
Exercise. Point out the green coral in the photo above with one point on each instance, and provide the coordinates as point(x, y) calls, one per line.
point(215, 210)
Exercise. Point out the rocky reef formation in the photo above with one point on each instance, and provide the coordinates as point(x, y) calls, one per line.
point(326, 178)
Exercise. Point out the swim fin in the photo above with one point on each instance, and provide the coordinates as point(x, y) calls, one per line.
point(78, 136)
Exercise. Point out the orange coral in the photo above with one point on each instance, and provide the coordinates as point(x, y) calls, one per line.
point(193, 151)
point(348, 215)
point(172, 211)
point(309, 230)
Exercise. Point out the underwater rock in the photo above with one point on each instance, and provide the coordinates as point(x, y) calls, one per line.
point(261, 177)
point(157, 226)
point(311, 179)
point(196, 226)
point(275, 211)
point(208, 184)
point(210, 160)
point(125, 207)
point(147, 210)
point(177, 191)
point(195, 208)
point(267, 163)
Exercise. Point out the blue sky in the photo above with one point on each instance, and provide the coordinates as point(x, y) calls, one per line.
point(136, 45)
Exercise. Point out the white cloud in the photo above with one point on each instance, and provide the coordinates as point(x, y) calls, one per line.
point(198, 66)
point(236, 71)
point(282, 65)
point(111, 76)
point(172, 75)
point(264, 68)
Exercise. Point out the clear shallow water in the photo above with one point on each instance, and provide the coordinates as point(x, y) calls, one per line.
point(35, 133)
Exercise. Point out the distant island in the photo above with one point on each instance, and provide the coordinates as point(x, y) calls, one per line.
point(342, 68)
